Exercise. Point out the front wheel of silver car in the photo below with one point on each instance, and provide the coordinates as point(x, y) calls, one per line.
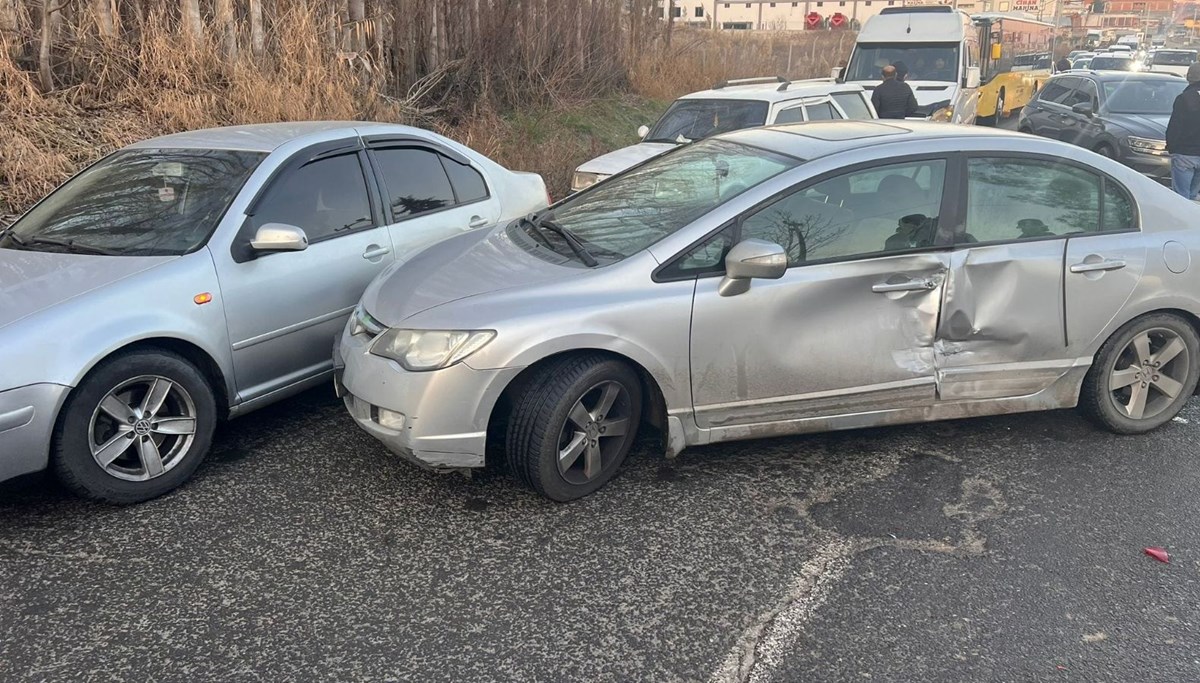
point(573, 424)
point(1143, 375)
point(135, 428)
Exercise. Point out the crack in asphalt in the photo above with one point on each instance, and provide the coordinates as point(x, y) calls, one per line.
point(776, 631)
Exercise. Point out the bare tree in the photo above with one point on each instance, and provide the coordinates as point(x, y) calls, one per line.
point(106, 22)
point(189, 11)
point(50, 8)
point(671, 20)
point(258, 42)
point(356, 11)
point(226, 27)
point(10, 28)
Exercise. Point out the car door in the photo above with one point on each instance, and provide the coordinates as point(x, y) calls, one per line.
point(1002, 332)
point(1078, 128)
point(284, 308)
point(430, 193)
point(1051, 111)
point(850, 325)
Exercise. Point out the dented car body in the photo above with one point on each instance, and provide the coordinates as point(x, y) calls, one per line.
point(880, 273)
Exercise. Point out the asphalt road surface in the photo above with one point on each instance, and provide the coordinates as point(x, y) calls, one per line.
point(1001, 549)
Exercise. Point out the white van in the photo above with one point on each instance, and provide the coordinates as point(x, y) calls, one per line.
point(937, 45)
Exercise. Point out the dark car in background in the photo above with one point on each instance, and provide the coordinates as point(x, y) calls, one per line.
point(1118, 115)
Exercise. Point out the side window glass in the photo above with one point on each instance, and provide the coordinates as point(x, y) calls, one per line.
point(853, 104)
point(820, 112)
point(1054, 92)
point(469, 185)
point(323, 198)
point(880, 210)
point(415, 181)
point(1010, 199)
point(1119, 213)
point(792, 115)
point(702, 259)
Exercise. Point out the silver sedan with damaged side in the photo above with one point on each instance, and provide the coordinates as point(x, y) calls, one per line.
point(786, 280)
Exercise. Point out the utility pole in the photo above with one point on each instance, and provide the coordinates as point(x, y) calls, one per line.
point(1054, 33)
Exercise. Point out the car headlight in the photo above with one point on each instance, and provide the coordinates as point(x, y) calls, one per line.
point(419, 350)
point(943, 115)
point(361, 322)
point(1148, 146)
point(582, 180)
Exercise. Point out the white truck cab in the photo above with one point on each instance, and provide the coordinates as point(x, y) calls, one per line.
point(732, 105)
point(937, 47)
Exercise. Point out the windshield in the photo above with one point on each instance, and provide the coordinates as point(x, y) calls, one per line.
point(921, 61)
point(697, 119)
point(1082, 63)
point(145, 202)
point(632, 211)
point(1110, 63)
point(1174, 58)
point(1142, 97)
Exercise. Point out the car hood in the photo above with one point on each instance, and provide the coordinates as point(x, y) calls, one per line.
point(1143, 125)
point(32, 281)
point(621, 159)
point(475, 262)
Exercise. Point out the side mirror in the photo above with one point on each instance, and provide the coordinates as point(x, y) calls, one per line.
point(750, 259)
point(836, 73)
point(279, 237)
point(643, 131)
point(1084, 108)
point(972, 78)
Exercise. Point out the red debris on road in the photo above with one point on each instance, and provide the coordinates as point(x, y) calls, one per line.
point(1158, 553)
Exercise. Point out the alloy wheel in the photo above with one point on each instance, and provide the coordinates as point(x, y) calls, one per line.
point(1149, 374)
point(142, 428)
point(594, 431)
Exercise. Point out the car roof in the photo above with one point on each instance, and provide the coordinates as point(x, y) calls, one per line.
point(770, 92)
point(1122, 75)
point(266, 137)
point(822, 138)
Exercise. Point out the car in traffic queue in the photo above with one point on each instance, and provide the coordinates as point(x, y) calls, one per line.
point(1119, 115)
point(784, 280)
point(1174, 61)
point(1115, 61)
point(203, 275)
point(731, 105)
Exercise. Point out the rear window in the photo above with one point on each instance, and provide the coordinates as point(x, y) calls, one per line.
point(689, 120)
point(1174, 58)
point(1112, 64)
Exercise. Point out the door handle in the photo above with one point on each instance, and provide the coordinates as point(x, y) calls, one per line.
point(909, 286)
point(477, 222)
point(375, 251)
point(1099, 265)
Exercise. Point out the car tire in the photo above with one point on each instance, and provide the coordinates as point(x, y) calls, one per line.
point(1124, 370)
point(1105, 150)
point(561, 440)
point(114, 404)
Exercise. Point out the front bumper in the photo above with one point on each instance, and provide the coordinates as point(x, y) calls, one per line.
point(436, 419)
point(1149, 164)
point(27, 417)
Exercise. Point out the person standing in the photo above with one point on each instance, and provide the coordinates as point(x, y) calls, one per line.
point(1063, 64)
point(893, 98)
point(1183, 137)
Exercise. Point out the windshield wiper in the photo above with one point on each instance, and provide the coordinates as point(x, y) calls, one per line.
point(10, 233)
point(70, 245)
point(546, 220)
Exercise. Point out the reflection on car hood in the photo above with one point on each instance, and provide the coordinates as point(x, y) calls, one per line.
point(472, 263)
point(1142, 125)
point(621, 159)
point(31, 281)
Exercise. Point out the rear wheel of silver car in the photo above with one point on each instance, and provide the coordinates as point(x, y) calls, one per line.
point(1143, 375)
point(135, 428)
point(573, 425)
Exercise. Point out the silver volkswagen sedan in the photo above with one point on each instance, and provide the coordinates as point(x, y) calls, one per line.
point(204, 275)
point(786, 280)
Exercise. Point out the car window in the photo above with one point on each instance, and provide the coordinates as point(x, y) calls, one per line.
point(1119, 212)
point(694, 119)
point(1155, 97)
point(892, 208)
point(1054, 91)
point(853, 104)
point(323, 198)
point(1084, 91)
point(624, 215)
point(415, 181)
point(143, 202)
point(469, 185)
point(791, 115)
point(1009, 199)
point(821, 112)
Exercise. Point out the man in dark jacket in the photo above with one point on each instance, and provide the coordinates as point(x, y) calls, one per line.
point(1183, 137)
point(893, 98)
